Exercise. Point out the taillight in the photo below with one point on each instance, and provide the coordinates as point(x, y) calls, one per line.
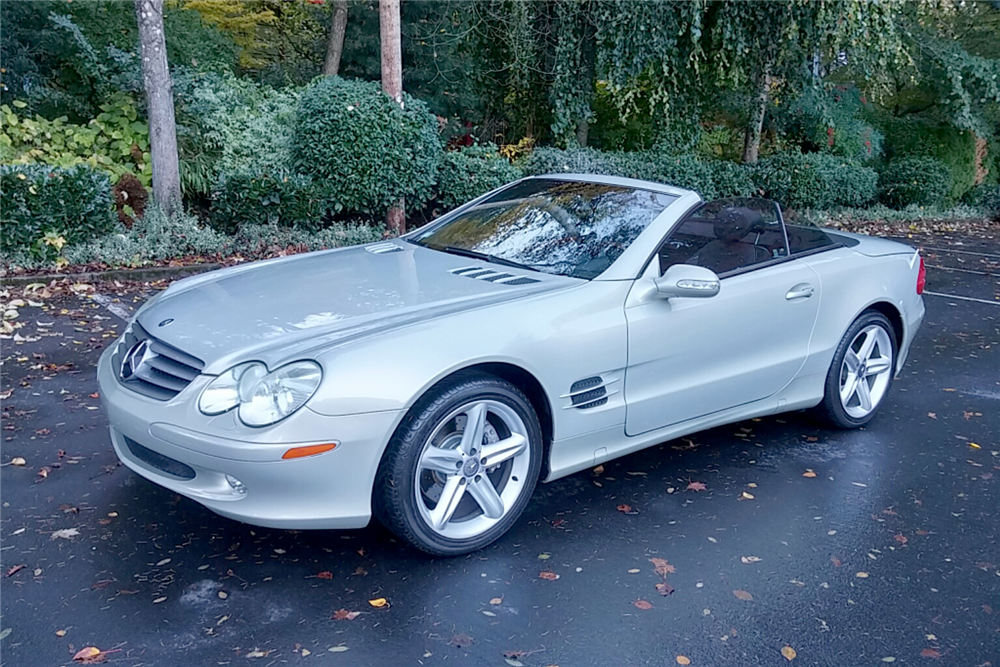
point(921, 277)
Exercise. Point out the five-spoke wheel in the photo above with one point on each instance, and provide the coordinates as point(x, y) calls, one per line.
point(861, 372)
point(458, 475)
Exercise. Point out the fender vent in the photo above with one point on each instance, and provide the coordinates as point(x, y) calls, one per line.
point(489, 275)
point(589, 393)
point(383, 248)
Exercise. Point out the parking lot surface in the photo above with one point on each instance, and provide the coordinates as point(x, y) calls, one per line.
point(781, 538)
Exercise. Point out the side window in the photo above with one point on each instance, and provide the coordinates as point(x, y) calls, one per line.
point(803, 234)
point(726, 235)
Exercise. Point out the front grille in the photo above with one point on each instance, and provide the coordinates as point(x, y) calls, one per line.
point(162, 372)
point(164, 464)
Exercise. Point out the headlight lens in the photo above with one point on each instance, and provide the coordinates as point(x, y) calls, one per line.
point(263, 398)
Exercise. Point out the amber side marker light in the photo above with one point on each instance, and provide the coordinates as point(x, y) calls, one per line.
point(310, 450)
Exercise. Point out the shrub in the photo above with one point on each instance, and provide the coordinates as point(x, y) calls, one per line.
point(370, 150)
point(573, 161)
point(74, 203)
point(259, 197)
point(731, 179)
point(153, 236)
point(985, 196)
point(814, 180)
point(914, 180)
point(926, 137)
point(467, 173)
point(831, 121)
point(682, 171)
point(255, 239)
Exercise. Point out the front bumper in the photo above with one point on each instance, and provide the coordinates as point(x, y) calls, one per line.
point(331, 490)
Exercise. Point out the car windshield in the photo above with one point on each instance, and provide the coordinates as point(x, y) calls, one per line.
point(566, 228)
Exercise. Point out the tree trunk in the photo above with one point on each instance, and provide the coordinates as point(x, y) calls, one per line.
point(335, 44)
point(160, 104)
point(588, 72)
point(392, 84)
point(751, 143)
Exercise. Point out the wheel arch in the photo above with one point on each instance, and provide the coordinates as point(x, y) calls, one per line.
point(892, 314)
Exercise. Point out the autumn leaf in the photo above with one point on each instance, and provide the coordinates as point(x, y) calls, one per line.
point(743, 595)
point(746, 496)
point(326, 574)
point(696, 486)
point(750, 559)
point(379, 602)
point(18, 461)
point(344, 615)
point(861, 575)
point(642, 604)
point(836, 561)
point(15, 569)
point(789, 653)
point(257, 654)
point(808, 473)
point(902, 539)
point(627, 509)
point(496, 601)
point(930, 653)
point(548, 575)
point(65, 533)
point(664, 589)
point(683, 660)
point(662, 567)
point(461, 641)
point(43, 472)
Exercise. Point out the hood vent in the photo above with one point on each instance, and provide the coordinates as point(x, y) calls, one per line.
point(383, 248)
point(489, 275)
point(589, 393)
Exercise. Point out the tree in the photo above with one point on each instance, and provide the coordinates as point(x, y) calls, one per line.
point(160, 103)
point(335, 44)
point(392, 84)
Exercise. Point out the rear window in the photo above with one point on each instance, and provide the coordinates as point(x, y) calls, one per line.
point(803, 234)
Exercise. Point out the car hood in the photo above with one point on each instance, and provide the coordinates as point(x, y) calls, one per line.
point(295, 307)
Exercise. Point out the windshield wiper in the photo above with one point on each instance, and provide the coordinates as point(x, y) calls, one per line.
point(465, 252)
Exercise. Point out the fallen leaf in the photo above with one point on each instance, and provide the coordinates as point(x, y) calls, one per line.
point(746, 496)
point(890, 658)
point(360, 572)
point(750, 559)
point(932, 415)
point(18, 461)
point(496, 601)
point(788, 652)
point(88, 652)
point(223, 595)
point(696, 486)
point(326, 574)
point(662, 567)
point(163, 562)
point(861, 575)
point(257, 654)
point(378, 602)
point(337, 649)
point(627, 509)
point(974, 445)
point(65, 533)
point(488, 613)
point(43, 472)
point(344, 615)
point(15, 569)
point(598, 470)
point(902, 539)
point(548, 575)
point(809, 473)
point(743, 595)
point(642, 604)
point(836, 561)
point(663, 588)
point(159, 600)
point(304, 652)
point(514, 662)
point(461, 641)
point(544, 556)
point(930, 653)
point(280, 551)
point(60, 633)
point(683, 660)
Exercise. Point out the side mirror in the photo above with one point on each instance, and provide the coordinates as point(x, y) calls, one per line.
point(685, 280)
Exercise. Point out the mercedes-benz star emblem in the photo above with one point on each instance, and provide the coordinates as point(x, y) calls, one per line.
point(135, 358)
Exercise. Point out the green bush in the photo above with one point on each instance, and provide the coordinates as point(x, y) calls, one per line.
point(153, 236)
point(73, 203)
point(914, 180)
point(917, 136)
point(259, 197)
point(467, 173)
point(814, 180)
point(682, 171)
point(256, 239)
point(731, 179)
point(831, 121)
point(986, 196)
point(574, 161)
point(352, 136)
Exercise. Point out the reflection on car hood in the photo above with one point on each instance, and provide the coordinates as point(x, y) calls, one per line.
point(279, 310)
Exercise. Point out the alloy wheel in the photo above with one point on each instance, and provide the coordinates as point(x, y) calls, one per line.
point(866, 371)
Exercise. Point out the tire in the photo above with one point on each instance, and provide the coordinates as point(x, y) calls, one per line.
point(433, 486)
point(871, 343)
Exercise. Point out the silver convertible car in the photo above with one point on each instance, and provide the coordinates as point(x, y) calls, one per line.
point(558, 322)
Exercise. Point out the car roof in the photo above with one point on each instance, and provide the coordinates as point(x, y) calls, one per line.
point(616, 180)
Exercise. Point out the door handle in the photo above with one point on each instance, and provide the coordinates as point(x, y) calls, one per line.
point(800, 291)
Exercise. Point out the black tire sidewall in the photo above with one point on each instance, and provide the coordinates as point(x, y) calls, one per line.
point(395, 497)
point(832, 407)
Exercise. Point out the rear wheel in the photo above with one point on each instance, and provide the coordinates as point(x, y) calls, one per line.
point(861, 373)
point(461, 469)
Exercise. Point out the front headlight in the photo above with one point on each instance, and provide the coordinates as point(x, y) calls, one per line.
point(262, 398)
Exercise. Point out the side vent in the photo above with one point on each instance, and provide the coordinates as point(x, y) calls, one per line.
point(383, 248)
point(589, 393)
point(489, 275)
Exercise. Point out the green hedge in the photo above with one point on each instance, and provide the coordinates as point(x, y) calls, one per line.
point(923, 137)
point(367, 149)
point(467, 173)
point(815, 180)
point(914, 180)
point(260, 197)
point(986, 196)
point(546, 160)
point(74, 203)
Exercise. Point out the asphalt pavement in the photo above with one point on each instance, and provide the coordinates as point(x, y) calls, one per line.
point(781, 538)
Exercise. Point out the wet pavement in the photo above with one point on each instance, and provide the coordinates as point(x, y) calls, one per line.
point(865, 547)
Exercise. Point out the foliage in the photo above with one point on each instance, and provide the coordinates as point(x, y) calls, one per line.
point(155, 235)
point(986, 196)
point(916, 135)
point(117, 141)
point(467, 173)
point(368, 149)
point(38, 200)
point(914, 180)
point(254, 239)
point(732, 180)
point(815, 180)
point(576, 161)
point(130, 197)
point(267, 197)
point(831, 121)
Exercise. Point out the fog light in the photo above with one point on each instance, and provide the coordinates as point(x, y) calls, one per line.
point(236, 484)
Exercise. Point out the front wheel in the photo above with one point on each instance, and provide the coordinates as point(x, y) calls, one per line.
point(461, 469)
point(861, 372)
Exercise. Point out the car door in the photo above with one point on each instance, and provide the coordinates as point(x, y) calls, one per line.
point(690, 357)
